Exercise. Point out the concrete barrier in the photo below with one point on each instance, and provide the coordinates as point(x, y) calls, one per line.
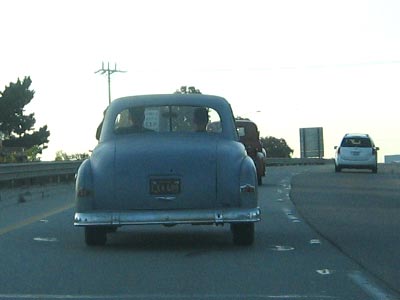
point(297, 161)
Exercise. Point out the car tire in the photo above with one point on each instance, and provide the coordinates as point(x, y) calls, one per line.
point(243, 233)
point(337, 168)
point(95, 236)
point(374, 170)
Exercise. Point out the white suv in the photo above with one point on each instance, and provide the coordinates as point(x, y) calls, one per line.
point(356, 151)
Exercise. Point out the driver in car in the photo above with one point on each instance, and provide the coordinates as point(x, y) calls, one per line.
point(200, 119)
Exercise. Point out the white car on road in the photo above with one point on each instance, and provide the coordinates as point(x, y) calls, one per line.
point(356, 151)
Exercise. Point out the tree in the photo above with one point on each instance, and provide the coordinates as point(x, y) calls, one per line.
point(276, 147)
point(61, 155)
point(32, 154)
point(187, 90)
point(17, 128)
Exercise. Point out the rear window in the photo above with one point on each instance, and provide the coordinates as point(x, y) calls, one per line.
point(356, 142)
point(247, 131)
point(167, 119)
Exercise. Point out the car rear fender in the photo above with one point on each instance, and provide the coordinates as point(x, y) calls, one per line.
point(248, 183)
point(84, 189)
point(95, 180)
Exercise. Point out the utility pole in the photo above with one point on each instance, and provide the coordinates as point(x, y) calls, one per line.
point(108, 71)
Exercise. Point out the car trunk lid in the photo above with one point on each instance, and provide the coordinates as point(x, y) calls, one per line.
point(166, 173)
point(355, 153)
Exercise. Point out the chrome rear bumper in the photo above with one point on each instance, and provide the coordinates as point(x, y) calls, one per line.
point(167, 217)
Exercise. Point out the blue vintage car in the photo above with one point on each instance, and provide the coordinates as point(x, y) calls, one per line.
point(159, 161)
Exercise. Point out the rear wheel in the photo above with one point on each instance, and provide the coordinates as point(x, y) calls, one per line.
point(337, 168)
point(95, 236)
point(375, 169)
point(243, 233)
point(259, 179)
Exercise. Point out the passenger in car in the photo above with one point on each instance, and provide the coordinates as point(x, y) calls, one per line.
point(132, 122)
point(136, 115)
point(200, 119)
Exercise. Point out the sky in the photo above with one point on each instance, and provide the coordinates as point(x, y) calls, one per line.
point(285, 64)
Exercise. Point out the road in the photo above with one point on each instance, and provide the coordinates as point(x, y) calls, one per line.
point(358, 212)
point(42, 256)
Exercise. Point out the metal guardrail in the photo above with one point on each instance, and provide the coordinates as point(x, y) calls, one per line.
point(28, 171)
point(55, 170)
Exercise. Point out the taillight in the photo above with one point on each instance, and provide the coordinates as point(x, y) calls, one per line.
point(252, 152)
point(374, 151)
point(338, 150)
point(247, 188)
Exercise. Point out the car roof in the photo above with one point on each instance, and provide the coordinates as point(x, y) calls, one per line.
point(246, 124)
point(356, 135)
point(221, 105)
point(244, 121)
point(172, 99)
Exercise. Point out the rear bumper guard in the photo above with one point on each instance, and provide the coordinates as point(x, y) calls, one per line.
point(167, 217)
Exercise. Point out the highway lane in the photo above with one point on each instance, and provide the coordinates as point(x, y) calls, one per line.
point(25, 205)
point(46, 258)
point(358, 212)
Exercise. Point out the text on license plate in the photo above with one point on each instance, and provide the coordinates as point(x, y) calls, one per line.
point(165, 186)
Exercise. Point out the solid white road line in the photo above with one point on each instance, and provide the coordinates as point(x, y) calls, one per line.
point(370, 287)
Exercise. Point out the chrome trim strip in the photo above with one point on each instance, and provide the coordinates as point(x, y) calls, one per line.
point(146, 217)
point(168, 198)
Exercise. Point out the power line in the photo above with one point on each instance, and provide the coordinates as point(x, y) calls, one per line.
point(108, 71)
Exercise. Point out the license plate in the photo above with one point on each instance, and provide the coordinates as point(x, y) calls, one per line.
point(165, 186)
point(355, 153)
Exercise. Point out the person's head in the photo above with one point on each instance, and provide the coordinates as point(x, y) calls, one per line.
point(137, 116)
point(200, 118)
